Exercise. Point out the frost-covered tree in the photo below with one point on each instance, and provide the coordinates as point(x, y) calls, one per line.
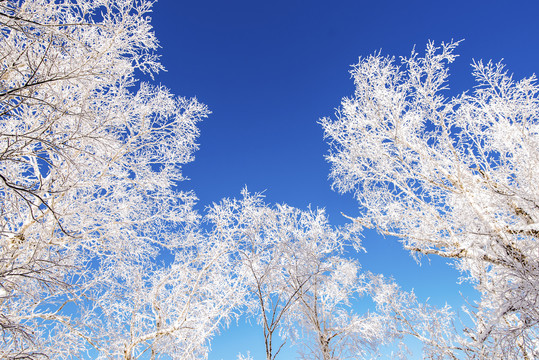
point(344, 313)
point(455, 177)
point(173, 311)
point(89, 168)
point(270, 243)
point(299, 285)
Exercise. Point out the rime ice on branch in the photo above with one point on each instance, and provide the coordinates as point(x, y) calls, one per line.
point(455, 177)
point(300, 285)
point(89, 162)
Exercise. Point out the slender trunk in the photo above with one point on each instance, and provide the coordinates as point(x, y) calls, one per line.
point(324, 346)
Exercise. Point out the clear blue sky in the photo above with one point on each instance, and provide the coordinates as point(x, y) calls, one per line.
point(268, 70)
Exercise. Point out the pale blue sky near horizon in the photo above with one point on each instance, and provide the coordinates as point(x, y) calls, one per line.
point(269, 70)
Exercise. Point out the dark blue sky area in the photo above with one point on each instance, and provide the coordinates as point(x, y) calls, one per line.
point(268, 70)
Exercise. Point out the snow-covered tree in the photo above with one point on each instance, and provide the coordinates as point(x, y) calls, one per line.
point(271, 243)
point(327, 326)
point(455, 177)
point(300, 285)
point(89, 168)
point(345, 313)
point(173, 311)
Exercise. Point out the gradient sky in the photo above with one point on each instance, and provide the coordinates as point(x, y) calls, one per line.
point(268, 70)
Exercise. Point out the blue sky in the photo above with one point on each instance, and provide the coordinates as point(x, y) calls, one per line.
point(268, 70)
